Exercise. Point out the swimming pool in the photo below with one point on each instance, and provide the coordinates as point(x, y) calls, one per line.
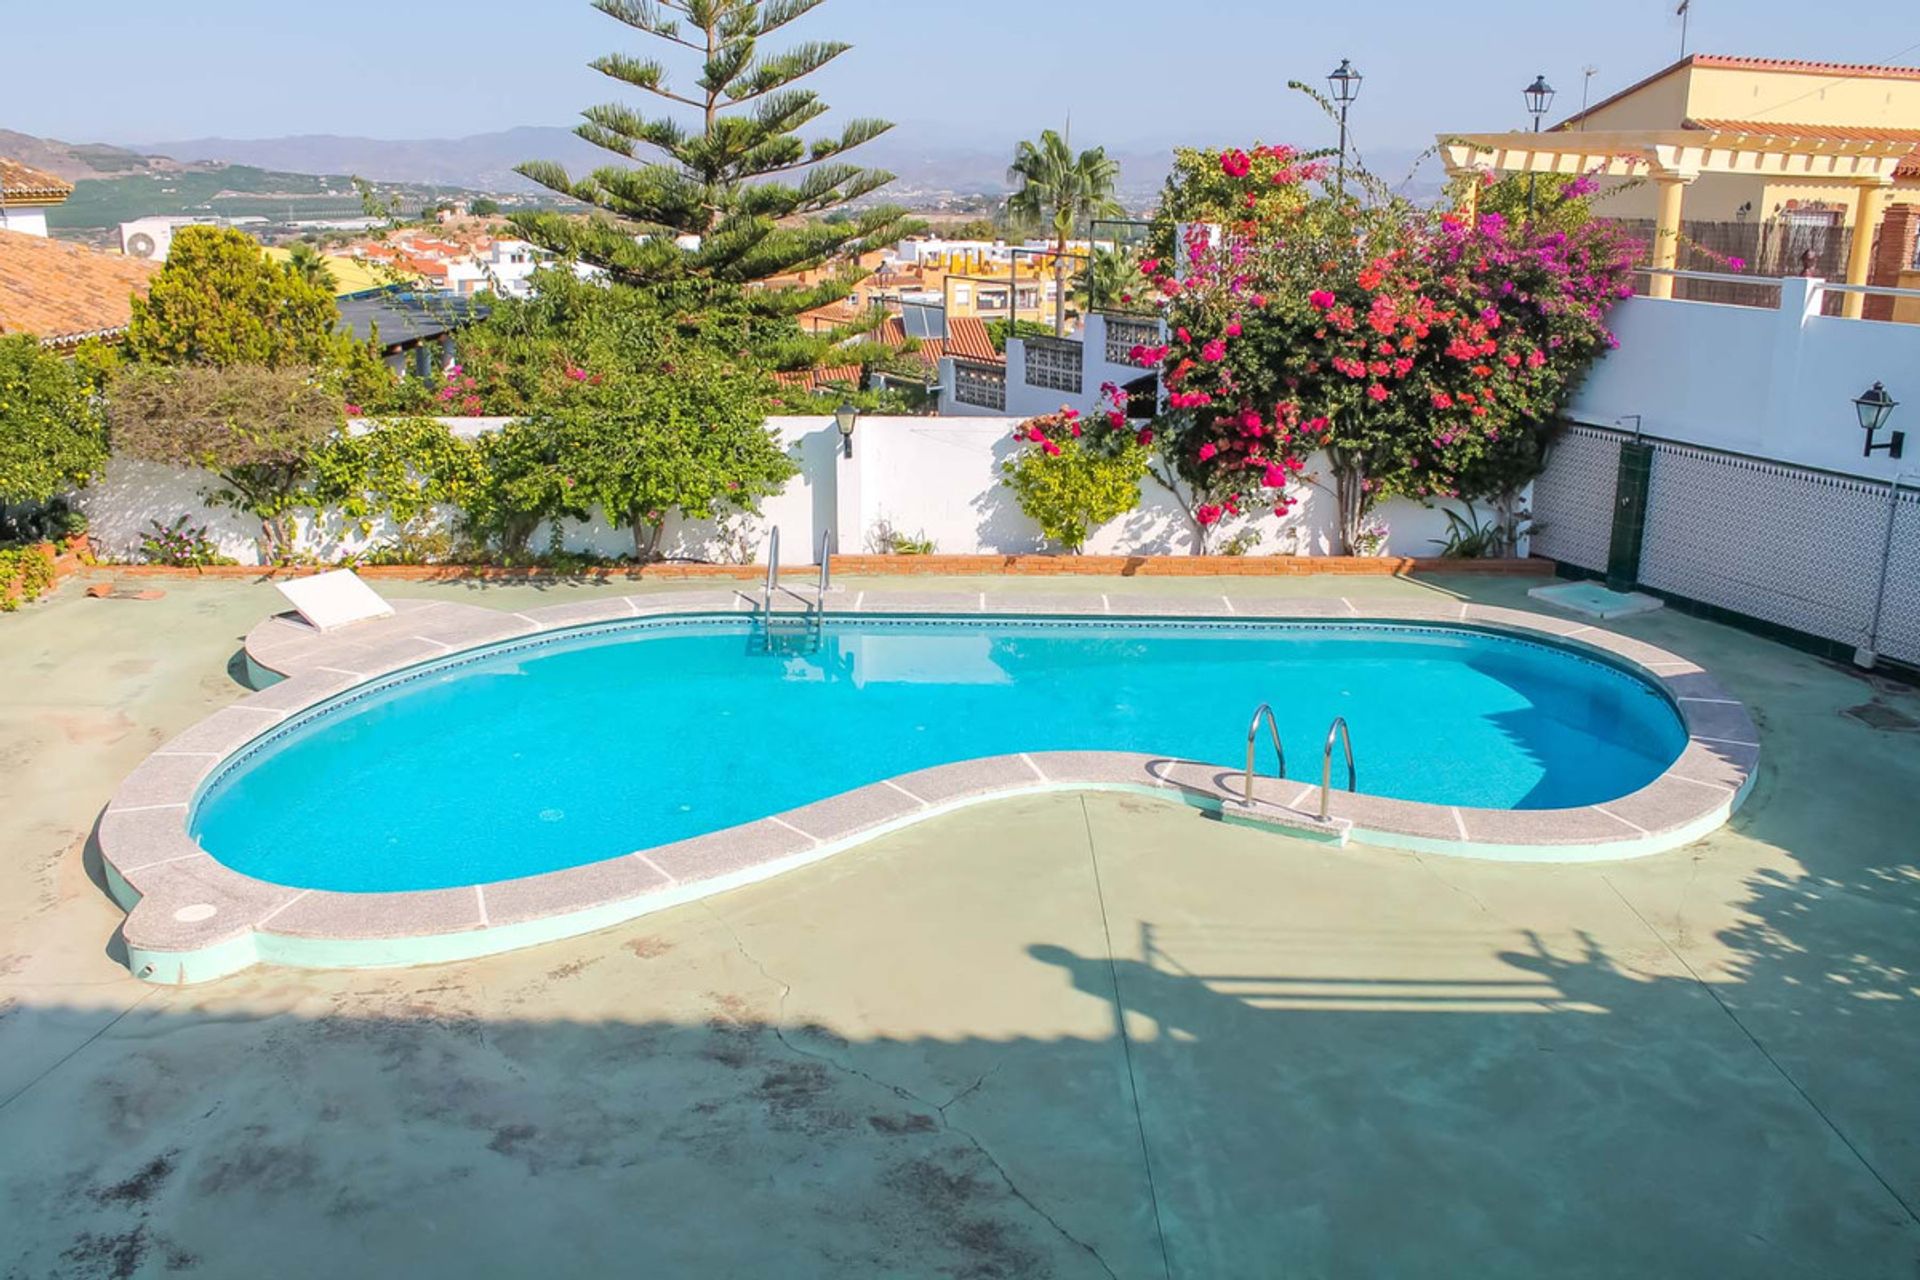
point(572, 748)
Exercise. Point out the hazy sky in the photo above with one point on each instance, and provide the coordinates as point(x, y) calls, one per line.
point(1132, 72)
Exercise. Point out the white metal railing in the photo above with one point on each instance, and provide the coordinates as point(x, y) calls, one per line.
point(1774, 282)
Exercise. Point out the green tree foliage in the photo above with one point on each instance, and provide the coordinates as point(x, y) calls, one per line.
point(1060, 192)
point(407, 470)
point(219, 300)
point(627, 411)
point(1068, 484)
point(256, 428)
point(526, 477)
point(727, 165)
point(483, 207)
point(693, 441)
point(52, 436)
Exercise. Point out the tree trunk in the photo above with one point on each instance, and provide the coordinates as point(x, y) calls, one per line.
point(1059, 286)
point(646, 538)
point(1350, 496)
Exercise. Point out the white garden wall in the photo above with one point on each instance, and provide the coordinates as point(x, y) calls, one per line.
point(937, 478)
point(1774, 383)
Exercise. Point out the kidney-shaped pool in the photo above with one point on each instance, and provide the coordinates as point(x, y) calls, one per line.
point(555, 752)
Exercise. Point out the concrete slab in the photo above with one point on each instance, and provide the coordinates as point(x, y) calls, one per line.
point(909, 1060)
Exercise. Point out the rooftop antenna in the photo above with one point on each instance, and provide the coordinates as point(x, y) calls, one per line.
point(1685, 11)
point(1587, 73)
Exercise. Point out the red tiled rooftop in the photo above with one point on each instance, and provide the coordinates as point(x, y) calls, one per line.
point(61, 292)
point(19, 182)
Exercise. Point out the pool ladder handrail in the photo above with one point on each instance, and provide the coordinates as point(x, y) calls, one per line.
point(772, 584)
point(1253, 740)
point(1338, 729)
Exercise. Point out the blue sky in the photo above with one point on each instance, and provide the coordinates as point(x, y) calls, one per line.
point(970, 72)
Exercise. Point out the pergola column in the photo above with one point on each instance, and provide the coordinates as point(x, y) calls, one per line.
point(1869, 198)
point(1672, 186)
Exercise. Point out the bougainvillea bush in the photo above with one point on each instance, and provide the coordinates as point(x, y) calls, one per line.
point(1426, 353)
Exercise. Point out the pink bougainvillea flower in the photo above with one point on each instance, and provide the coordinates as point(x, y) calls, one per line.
point(1276, 475)
point(353, 410)
point(1214, 352)
point(1376, 393)
point(1737, 264)
point(1150, 266)
point(1233, 329)
point(1145, 437)
point(1441, 400)
point(1207, 515)
point(1182, 334)
point(1207, 451)
point(1236, 163)
point(1052, 449)
point(1321, 299)
point(1036, 435)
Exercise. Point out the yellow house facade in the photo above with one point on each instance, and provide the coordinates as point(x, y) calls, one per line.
point(1827, 147)
point(1764, 97)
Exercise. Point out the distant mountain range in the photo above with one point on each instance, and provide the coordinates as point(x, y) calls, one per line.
point(929, 167)
point(485, 161)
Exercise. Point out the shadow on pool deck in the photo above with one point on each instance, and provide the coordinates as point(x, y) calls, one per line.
point(1057, 1036)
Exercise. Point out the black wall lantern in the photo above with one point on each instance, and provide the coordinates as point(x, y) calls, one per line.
point(847, 416)
point(1875, 406)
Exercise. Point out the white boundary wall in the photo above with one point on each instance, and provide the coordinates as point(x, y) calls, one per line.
point(937, 477)
point(1773, 383)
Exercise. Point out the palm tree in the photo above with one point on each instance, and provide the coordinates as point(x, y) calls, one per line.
point(310, 264)
point(1105, 276)
point(1059, 190)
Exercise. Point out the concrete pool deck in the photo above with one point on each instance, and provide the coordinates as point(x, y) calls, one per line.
point(1003, 1042)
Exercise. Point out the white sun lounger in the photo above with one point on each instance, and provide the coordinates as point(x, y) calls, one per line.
point(330, 601)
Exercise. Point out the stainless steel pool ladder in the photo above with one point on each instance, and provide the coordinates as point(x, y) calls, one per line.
point(1253, 741)
point(1337, 730)
point(812, 617)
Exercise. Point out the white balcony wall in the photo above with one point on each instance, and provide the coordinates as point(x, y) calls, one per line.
point(1772, 382)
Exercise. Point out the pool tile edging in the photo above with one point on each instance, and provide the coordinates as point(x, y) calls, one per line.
point(191, 918)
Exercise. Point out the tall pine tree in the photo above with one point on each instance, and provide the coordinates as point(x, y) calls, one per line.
point(729, 167)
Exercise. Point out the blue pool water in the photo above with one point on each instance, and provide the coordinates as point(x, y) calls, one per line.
point(597, 743)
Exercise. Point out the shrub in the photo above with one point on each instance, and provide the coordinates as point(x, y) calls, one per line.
point(52, 437)
point(25, 573)
point(256, 428)
point(182, 545)
point(1070, 482)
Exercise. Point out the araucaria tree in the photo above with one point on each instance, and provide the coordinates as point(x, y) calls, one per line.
point(1060, 192)
point(728, 194)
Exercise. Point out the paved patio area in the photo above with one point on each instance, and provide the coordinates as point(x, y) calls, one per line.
point(1005, 1043)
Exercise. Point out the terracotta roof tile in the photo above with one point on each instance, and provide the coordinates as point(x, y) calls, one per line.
point(1846, 70)
point(814, 379)
point(967, 338)
point(18, 182)
point(63, 292)
point(1852, 70)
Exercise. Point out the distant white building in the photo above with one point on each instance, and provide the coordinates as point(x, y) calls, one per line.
point(152, 237)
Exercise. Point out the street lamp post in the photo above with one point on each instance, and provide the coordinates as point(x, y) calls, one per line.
point(1539, 96)
point(1345, 82)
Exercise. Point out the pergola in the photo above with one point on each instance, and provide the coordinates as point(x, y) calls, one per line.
point(1673, 158)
